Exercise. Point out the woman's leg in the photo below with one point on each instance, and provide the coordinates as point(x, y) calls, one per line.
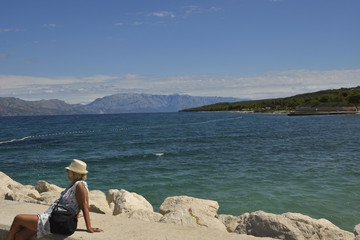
point(23, 227)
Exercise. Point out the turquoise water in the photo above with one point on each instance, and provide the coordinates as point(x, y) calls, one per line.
point(246, 162)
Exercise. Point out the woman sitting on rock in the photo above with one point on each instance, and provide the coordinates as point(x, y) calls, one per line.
point(74, 198)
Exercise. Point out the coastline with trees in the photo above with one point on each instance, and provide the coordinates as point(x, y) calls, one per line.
point(333, 101)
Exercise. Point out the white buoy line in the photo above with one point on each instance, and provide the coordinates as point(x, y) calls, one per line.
point(114, 130)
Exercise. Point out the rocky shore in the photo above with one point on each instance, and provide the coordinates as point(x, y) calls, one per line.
point(179, 217)
point(300, 111)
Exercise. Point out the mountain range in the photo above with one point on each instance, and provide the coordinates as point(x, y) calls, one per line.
point(118, 103)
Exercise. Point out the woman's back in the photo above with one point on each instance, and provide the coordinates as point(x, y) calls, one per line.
point(68, 197)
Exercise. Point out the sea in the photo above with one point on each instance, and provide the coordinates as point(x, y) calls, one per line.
point(246, 162)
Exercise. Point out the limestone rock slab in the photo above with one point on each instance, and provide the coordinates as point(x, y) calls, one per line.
point(43, 186)
point(6, 181)
point(357, 232)
point(291, 226)
point(98, 203)
point(232, 222)
point(145, 215)
point(317, 228)
point(172, 204)
point(126, 202)
point(49, 197)
point(184, 210)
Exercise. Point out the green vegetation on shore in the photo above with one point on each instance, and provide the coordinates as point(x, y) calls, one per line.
point(334, 98)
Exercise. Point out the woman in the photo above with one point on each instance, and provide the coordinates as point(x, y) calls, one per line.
point(74, 197)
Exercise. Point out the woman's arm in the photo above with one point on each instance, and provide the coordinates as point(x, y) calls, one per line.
point(83, 200)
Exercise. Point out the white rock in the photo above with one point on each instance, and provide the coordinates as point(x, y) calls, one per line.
point(263, 224)
point(145, 215)
point(357, 232)
point(43, 186)
point(98, 203)
point(12, 190)
point(3, 191)
point(171, 204)
point(291, 226)
point(112, 206)
point(179, 217)
point(22, 195)
point(317, 228)
point(30, 191)
point(6, 181)
point(49, 197)
point(203, 212)
point(231, 222)
point(126, 202)
point(111, 195)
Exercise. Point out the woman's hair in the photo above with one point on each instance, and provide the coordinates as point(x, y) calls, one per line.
point(77, 176)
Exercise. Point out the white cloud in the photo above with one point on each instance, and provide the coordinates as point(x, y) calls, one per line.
point(88, 88)
point(143, 18)
point(5, 30)
point(49, 25)
point(137, 23)
point(162, 14)
point(192, 9)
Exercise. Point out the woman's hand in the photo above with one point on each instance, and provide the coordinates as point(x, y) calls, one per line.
point(92, 230)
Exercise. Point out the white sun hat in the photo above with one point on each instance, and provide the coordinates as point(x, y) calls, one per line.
point(77, 166)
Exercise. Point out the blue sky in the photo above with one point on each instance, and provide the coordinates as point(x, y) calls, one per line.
point(80, 50)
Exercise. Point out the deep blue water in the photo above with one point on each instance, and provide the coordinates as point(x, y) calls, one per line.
point(246, 162)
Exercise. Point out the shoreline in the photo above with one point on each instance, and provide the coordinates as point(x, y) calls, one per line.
point(178, 216)
point(294, 113)
point(120, 226)
point(302, 111)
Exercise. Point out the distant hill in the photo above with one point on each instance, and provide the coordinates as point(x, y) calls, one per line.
point(118, 103)
point(10, 106)
point(132, 103)
point(344, 100)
